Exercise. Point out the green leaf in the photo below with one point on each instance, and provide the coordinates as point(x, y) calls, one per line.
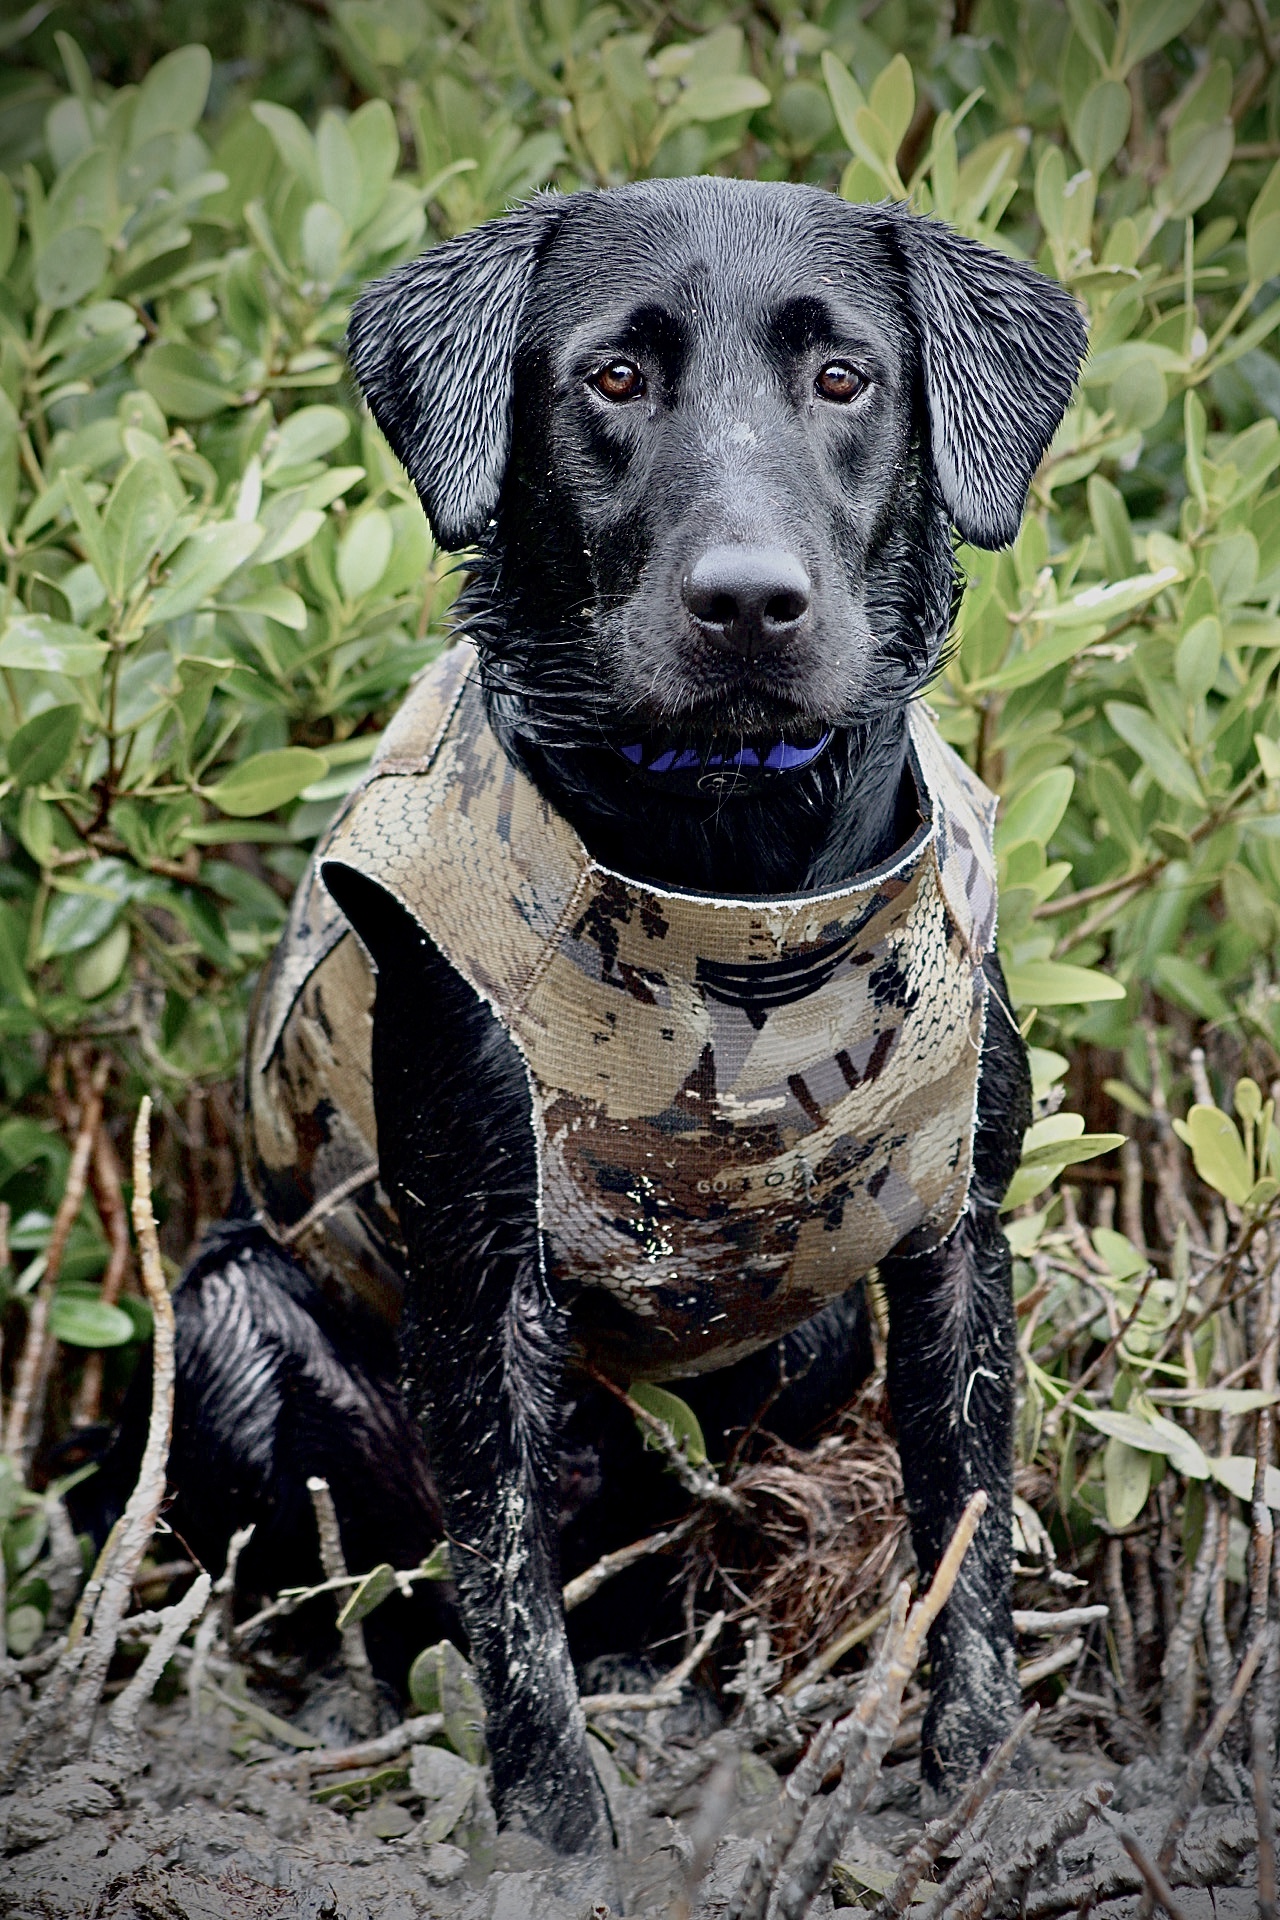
point(1101, 124)
point(1106, 601)
point(171, 98)
point(893, 100)
point(1126, 1479)
point(1034, 662)
point(280, 604)
point(676, 1413)
point(847, 97)
point(1263, 248)
point(199, 567)
point(185, 384)
point(717, 99)
point(1149, 1433)
point(42, 745)
point(267, 781)
point(23, 1627)
point(85, 907)
point(38, 644)
point(305, 436)
point(1036, 812)
point(1218, 1152)
point(1189, 184)
point(1222, 1399)
point(1186, 982)
point(1110, 518)
point(1068, 1153)
point(1056, 983)
point(1119, 1253)
point(441, 1681)
point(1167, 763)
point(82, 1320)
point(1237, 1473)
point(1095, 27)
point(71, 266)
point(97, 971)
point(139, 514)
point(293, 143)
point(1153, 23)
point(363, 554)
point(323, 236)
point(1198, 657)
point(372, 1591)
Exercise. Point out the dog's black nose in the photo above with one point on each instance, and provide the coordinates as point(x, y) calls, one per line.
point(750, 599)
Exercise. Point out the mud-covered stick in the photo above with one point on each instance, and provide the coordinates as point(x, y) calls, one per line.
point(940, 1833)
point(1193, 1780)
point(355, 1656)
point(871, 1739)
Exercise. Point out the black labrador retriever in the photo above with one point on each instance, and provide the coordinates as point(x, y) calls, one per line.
point(687, 1009)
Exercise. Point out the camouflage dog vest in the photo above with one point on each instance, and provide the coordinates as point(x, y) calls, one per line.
point(740, 1106)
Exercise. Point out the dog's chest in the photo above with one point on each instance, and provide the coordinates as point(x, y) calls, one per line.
point(740, 1106)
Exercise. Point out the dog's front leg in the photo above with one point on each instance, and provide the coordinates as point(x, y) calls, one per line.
point(483, 1345)
point(951, 1363)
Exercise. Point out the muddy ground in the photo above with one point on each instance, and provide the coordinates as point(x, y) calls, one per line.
point(208, 1819)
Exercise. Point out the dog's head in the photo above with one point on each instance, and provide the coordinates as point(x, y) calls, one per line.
point(710, 437)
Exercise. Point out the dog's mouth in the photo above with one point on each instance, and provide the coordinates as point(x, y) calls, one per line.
point(720, 766)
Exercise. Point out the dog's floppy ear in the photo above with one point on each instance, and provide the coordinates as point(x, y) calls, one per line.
point(432, 346)
point(1001, 346)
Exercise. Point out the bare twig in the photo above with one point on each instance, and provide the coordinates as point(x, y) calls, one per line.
point(27, 1404)
point(123, 1553)
point(355, 1655)
point(122, 1719)
point(584, 1585)
point(1262, 1753)
point(1157, 1886)
point(1032, 1672)
point(1177, 1672)
point(363, 1753)
point(875, 1723)
point(667, 1688)
point(1121, 1618)
point(108, 1197)
point(939, 1835)
point(1193, 1780)
point(217, 1621)
point(1029, 1620)
point(989, 1874)
point(830, 1655)
point(768, 1855)
point(705, 1830)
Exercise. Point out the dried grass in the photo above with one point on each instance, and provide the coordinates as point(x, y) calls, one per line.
point(821, 1536)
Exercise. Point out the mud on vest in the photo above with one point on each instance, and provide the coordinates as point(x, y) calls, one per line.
point(740, 1106)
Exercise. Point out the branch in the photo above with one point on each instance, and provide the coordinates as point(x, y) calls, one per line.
point(364, 1753)
point(122, 1555)
point(584, 1585)
point(667, 1689)
point(27, 1406)
point(355, 1655)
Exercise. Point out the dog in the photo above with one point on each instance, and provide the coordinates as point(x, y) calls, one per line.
point(645, 997)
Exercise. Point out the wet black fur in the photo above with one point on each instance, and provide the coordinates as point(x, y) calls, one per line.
point(476, 361)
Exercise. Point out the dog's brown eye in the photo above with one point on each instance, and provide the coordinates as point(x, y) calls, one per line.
point(839, 381)
point(619, 380)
